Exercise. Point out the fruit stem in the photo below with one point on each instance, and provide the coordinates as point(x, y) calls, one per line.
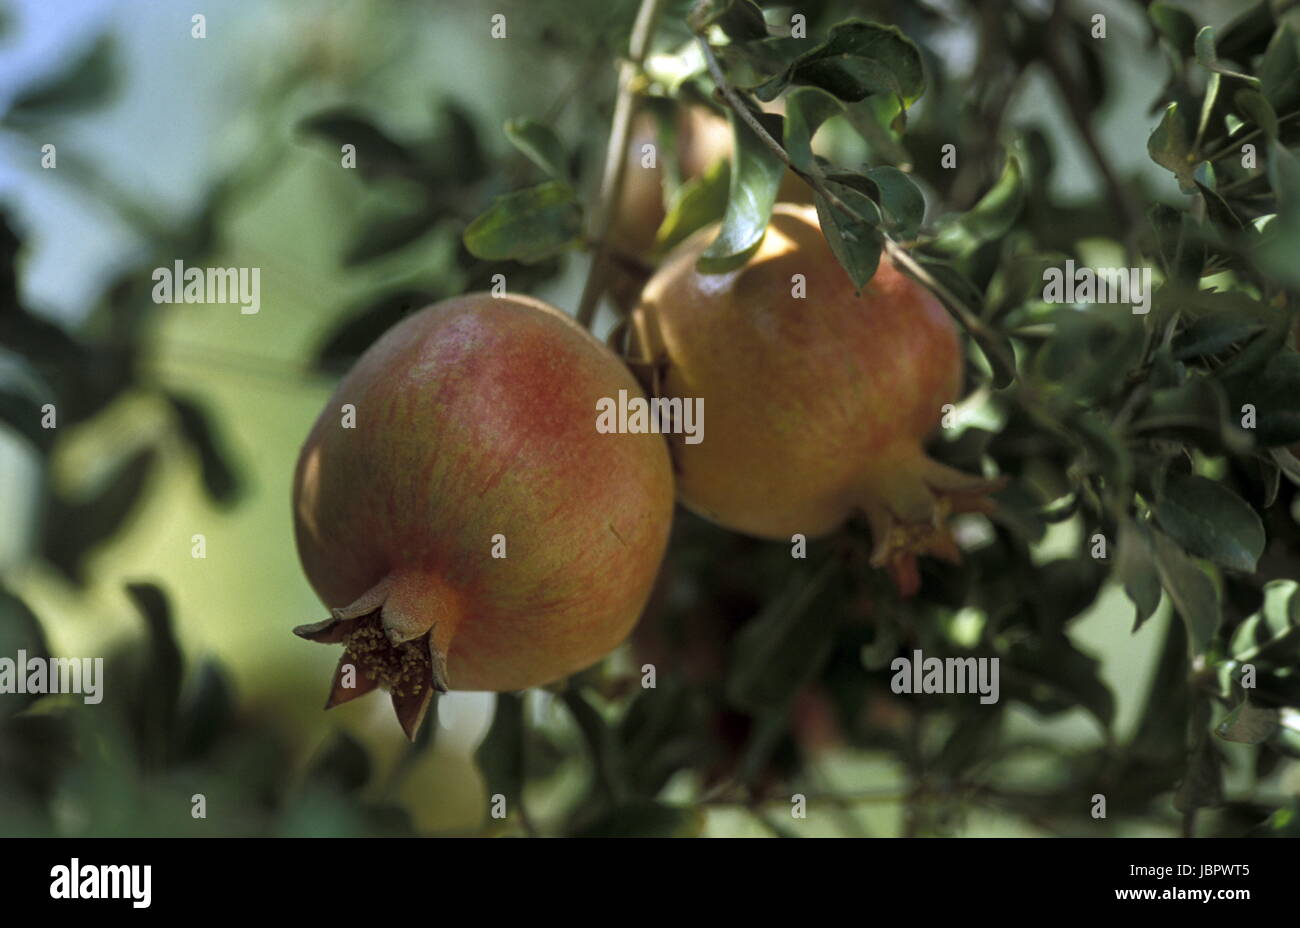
point(611, 184)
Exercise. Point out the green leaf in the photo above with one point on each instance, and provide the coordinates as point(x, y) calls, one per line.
point(527, 225)
point(1190, 590)
point(857, 60)
point(1136, 570)
point(1177, 27)
point(378, 153)
point(539, 144)
point(781, 647)
point(74, 529)
point(741, 20)
point(988, 219)
point(343, 765)
point(1052, 675)
point(1258, 110)
point(1211, 521)
point(19, 631)
point(220, 479)
point(1273, 630)
point(755, 178)
point(805, 110)
point(1212, 333)
point(854, 241)
point(1275, 394)
point(361, 328)
point(1170, 146)
point(699, 202)
point(1279, 71)
point(500, 757)
point(89, 82)
point(387, 232)
point(1208, 58)
point(1203, 785)
point(1248, 724)
point(900, 199)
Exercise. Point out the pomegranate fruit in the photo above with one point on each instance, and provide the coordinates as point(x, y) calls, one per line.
point(473, 529)
point(816, 407)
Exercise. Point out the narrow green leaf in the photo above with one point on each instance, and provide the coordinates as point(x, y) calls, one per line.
point(699, 202)
point(1211, 521)
point(900, 199)
point(805, 110)
point(1190, 590)
point(755, 178)
point(858, 59)
point(540, 144)
point(854, 241)
point(527, 225)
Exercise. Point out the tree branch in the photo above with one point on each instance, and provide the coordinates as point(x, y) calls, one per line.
point(611, 184)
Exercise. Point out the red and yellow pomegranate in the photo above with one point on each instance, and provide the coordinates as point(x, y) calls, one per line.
point(472, 529)
point(816, 408)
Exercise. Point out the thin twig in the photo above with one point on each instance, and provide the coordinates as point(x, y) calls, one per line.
point(611, 185)
point(897, 253)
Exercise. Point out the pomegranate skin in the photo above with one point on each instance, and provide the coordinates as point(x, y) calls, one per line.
point(476, 418)
point(815, 407)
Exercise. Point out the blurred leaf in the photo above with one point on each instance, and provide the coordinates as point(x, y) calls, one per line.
point(988, 219)
point(805, 110)
point(741, 20)
point(540, 145)
point(527, 225)
point(1052, 675)
point(755, 177)
point(781, 647)
point(857, 59)
point(219, 476)
point(1178, 28)
point(699, 202)
point(1203, 785)
point(378, 154)
point(600, 742)
point(500, 757)
point(1190, 590)
point(89, 82)
point(1210, 521)
point(1279, 71)
point(387, 232)
point(206, 710)
point(344, 765)
point(1248, 724)
point(1275, 394)
point(1213, 333)
point(1275, 627)
point(1170, 146)
point(74, 529)
point(158, 684)
point(644, 819)
point(362, 328)
point(1136, 570)
point(1258, 109)
point(19, 631)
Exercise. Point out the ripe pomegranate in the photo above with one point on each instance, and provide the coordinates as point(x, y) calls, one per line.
point(475, 436)
point(817, 407)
